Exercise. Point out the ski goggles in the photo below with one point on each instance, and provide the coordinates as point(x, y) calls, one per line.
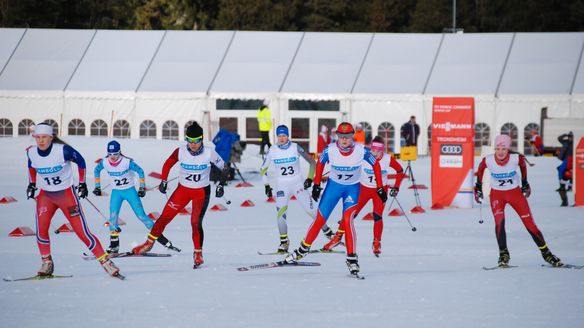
point(345, 135)
point(194, 140)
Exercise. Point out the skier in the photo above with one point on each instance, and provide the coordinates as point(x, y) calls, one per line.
point(345, 158)
point(285, 155)
point(121, 171)
point(50, 160)
point(505, 190)
point(195, 168)
point(369, 192)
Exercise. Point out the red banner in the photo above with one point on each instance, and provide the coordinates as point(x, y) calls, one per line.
point(452, 151)
point(579, 174)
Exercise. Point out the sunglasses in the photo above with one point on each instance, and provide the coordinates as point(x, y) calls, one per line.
point(194, 140)
point(113, 154)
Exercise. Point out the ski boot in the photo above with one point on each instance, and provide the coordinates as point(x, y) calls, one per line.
point(504, 258)
point(352, 264)
point(109, 266)
point(114, 246)
point(167, 243)
point(550, 258)
point(328, 233)
point(284, 244)
point(47, 267)
point(198, 258)
point(146, 247)
point(334, 242)
point(298, 254)
point(376, 247)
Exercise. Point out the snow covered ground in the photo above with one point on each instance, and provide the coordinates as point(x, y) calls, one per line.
point(429, 278)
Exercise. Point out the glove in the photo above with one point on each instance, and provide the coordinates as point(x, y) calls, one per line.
point(525, 188)
point(162, 186)
point(141, 192)
point(219, 192)
point(478, 192)
point(393, 191)
point(31, 190)
point(316, 189)
point(82, 190)
point(97, 191)
point(269, 191)
point(382, 194)
point(307, 183)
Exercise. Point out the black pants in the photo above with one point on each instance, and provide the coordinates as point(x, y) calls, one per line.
point(265, 141)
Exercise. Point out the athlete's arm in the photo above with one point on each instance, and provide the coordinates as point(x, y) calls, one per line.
point(264, 168)
point(324, 158)
point(74, 156)
point(96, 174)
point(168, 164)
point(399, 171)
point(369, 158)
point(310, 161)
point(136, 168)
point(481, 171)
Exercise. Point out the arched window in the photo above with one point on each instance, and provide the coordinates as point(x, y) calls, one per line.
point(170, 130)
point(387, 132)
point(5, 127)
point(76, 127)
point(121, 129)
point(430, 138)
point(54, 125)
point(98, 128)
point(527, 149)
point(148, 129)
point(368, 131)
point(24, 127)
point(510, 129)
point(482, 135)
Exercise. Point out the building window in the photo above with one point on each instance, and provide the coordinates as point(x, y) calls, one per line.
point(300, 132)
point(482, 135)
point(76, 127)
point(510, 129)
point(387, 132)
point(170, 130)
point(5, 128)
point(148, 129)
point(25, 127)
point(527, 149)
point(99, 128)
point(54, 125)
point(121, 129)
point(228, 123)
point(252, 131)
point(321, 106)
point(238, 104)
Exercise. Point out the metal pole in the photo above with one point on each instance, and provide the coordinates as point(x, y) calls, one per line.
point(453, 16)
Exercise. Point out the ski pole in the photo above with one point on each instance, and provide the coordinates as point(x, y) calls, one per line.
point(97, 209)
point(227, 201)
point(402, 209)
point(481, 213)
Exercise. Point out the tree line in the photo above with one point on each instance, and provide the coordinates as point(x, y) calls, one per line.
point(404, 16)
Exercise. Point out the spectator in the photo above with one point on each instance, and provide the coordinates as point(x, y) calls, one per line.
point(323, 139)
point(536, 143)
point(334, 136)
point(359, 134)
point(264, 125)
point(565, 169)
point(410, 132)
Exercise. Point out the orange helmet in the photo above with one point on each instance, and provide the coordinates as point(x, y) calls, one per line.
point(345, 129)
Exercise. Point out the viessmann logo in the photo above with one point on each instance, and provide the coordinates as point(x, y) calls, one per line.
point(451, 149)
point(451, 126)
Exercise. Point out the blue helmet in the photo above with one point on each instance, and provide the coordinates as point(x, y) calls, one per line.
point(282, 129)
point(113, 147)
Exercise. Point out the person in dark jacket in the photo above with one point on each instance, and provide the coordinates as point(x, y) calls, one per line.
point(410, 132)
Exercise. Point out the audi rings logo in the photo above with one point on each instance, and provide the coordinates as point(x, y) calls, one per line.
point(450, 149)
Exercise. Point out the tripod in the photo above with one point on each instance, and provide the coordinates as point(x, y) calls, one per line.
point(410, 173)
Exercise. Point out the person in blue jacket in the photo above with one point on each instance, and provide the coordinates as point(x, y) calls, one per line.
point(121, 170)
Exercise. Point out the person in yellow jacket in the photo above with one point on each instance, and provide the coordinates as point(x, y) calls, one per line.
point(264, 125)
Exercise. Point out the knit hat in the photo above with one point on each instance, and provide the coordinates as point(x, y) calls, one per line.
point(194, 132)
point(282, 129)
point(113, 147)
point(503, 141)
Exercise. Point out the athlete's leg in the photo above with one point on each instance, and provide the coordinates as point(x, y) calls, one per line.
point(282, 200)
point(45, 209)
point(136, 204)
point(116, 200)
point(177, 201)
point(200, 201)
point(350, 198)
point(498, 203)
point(378, 207)
point(330, 197)
point(520, 205)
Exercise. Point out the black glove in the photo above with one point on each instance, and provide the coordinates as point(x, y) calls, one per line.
point(316, 189)
point(525, 188)
point(393, 191)
point(382, 194)
point(141, 192)
point(478, 192)
point(219, 191)
point(307, 183)
point(162, 186)
point(31, 190)
point(97, 191)
point(269, 191)
point(82, 190)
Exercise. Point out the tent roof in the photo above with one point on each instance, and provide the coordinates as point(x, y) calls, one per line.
point(542, 63)
point(469, 64)
point(9, 39)
point(45, 59)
